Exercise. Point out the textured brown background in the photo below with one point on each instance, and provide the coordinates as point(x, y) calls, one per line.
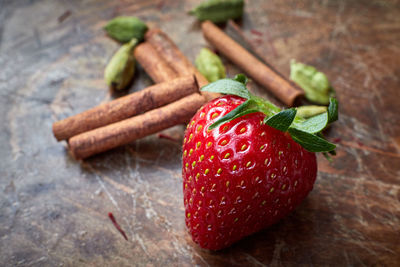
point(53, 210)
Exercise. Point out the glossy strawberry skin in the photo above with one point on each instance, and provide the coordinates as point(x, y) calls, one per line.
point(240, 177)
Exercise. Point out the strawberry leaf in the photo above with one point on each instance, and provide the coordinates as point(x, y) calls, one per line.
point(333, 110)
point(319, 122)
point(311, 142)
point(243, 109)
point(282, 120)
point(314, 124)
point(229, 87)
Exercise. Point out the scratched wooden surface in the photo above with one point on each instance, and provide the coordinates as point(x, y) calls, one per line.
point(53, 209)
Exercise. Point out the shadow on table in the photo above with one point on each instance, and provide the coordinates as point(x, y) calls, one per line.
point(291, 240)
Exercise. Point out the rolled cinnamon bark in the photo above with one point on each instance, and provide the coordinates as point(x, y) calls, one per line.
point(120, 133)
point(154, 63)
point(122, 108)
point(262, 74)
point(175, 58)
point(172, 55)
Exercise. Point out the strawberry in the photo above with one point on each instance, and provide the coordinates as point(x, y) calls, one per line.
point(240, 173)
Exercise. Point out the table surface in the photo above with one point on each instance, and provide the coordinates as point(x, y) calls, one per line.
point(54, 210)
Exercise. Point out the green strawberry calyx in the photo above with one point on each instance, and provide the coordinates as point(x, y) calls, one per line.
point(306, 132)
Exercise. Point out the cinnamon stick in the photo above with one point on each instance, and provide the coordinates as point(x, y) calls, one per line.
point(154, 64)
point(125, 107)
point(123, 132)
point(172, 55)
point(262, 74)
point(166, 47)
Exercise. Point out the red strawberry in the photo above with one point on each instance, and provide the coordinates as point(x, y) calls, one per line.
point(241, 176)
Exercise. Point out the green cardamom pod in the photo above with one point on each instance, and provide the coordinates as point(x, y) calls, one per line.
point(314, 83)
point(218, 10)
point(121, 68)
point(210, 65)
point(306, 112)
point(124, 29)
